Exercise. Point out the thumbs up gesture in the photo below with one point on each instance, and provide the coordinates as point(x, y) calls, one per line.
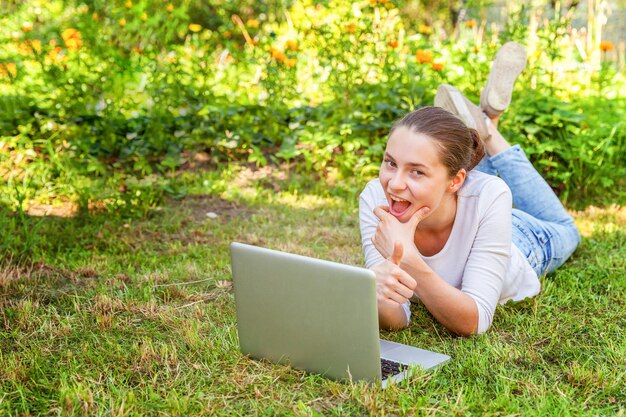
point(390, 230)
point(392, 282)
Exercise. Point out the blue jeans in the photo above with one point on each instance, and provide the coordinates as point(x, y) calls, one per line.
point(542, 229)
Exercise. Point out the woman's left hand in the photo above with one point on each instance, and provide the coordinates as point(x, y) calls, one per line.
point(390, 230)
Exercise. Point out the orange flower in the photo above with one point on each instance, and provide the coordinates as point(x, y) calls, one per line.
point(194, 27)
point(27, 26)
point(122, 22)
point(393, 44)
point(292, 45)
point(28, 47)
point(423, 56)
point(425, 30)
point(606, 46)
point(351, 27)
point(8, 69)
point(277, 55)
point(72, 38)
point(290, 62)
point(437, 66)
point(227, 34)
point(170, 8)
point(470, 24)
point(95, 16)
point(55, 55)
point(253, 23)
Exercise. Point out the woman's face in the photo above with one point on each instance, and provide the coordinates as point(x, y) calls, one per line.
point(412, 174)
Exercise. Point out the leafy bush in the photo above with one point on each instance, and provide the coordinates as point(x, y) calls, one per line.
point(97, 94)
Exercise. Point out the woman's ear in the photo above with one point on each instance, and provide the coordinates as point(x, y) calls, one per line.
point(457, 181)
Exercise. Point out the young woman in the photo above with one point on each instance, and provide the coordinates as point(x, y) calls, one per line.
point(439, 226)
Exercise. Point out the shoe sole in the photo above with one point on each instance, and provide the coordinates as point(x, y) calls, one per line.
point(508, 64)
point(449, 98)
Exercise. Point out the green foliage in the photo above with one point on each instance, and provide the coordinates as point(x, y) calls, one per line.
point(94, 93)
point(580, 152)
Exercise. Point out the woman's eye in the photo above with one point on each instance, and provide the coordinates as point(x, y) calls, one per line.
point(416, 172)
point(390, 163)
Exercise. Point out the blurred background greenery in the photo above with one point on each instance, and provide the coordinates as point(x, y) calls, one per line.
point(104, 104)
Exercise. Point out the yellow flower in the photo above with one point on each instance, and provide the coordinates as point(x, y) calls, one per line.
point(72, 39)
point(144, 16)
point(290, 62)
point(36, 45)
point(470, 24)
point(122, 22)
point(423, 56)
point(8, 69)
point(606, 46)
point(128, 4)
point(194, 27)
point(437, 66)
point(27, 26)
point(95, 16)
point(425, 30)
point(170, 8)
point(253, 23)
point(292, 45)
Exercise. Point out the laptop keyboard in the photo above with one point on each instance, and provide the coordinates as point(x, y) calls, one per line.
point(391, 368)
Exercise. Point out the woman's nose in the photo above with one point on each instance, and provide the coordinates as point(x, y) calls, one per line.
point(397, 182)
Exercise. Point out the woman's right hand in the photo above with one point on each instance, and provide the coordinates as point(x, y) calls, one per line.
point(393, 283)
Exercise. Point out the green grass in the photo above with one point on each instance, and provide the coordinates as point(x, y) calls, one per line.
point(119, 316)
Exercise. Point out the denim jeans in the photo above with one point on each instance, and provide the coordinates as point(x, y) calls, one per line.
point(542, 229)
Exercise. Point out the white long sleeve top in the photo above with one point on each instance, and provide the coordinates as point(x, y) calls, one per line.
point(479, 257)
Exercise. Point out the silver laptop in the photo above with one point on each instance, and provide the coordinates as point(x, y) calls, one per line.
point(316, 315)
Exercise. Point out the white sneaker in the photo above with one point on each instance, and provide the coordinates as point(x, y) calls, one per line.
point(449, 98)
point(508, 63)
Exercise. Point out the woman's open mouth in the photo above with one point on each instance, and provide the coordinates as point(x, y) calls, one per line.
point(398, 206)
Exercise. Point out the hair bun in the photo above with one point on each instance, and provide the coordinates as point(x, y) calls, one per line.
point(479, 149)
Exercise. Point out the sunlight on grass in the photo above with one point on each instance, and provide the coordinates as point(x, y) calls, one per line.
point(306, 201)
point(600, 219)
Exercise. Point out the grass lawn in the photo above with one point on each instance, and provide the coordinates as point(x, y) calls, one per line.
point(134, 317)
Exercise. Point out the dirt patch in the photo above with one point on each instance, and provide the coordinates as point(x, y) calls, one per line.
point(210, 207)
point(41, 280)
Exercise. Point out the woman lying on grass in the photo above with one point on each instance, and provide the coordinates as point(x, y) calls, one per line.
point(438, 224)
